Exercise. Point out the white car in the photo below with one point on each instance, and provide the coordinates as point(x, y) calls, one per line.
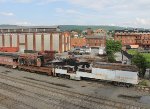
point(88, 50)
point(102, 51)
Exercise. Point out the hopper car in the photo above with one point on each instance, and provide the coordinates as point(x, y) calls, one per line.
point(118, 74)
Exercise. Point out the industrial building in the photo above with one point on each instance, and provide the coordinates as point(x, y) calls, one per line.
point(38, 38)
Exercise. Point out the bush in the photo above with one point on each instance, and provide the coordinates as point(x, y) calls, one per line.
point(140, 61)
point(111, 58)
point(144, 83)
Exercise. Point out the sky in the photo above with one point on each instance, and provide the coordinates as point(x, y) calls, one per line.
point(127, 13)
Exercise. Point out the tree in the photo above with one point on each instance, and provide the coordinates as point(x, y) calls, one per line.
point(112, 47)
point(140, 61)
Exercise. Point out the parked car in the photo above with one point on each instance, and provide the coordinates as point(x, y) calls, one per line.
point(76, 51)
point(98, 50)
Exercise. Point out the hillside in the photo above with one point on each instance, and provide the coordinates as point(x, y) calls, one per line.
point(82, 27)
point(79, 27)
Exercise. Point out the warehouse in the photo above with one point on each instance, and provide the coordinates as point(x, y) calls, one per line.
point(38, 38)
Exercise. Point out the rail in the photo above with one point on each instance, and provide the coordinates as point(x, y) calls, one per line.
point(129, 56)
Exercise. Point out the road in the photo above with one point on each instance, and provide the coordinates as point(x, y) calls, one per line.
point(24, 90)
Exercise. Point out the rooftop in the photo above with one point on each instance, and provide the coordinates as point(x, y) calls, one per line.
point(100, 36)
point(27, 27)
point(134, 31)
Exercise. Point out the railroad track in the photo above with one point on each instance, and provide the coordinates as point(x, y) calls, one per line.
point(50, 103)
point(13, 104)
point(78, 100)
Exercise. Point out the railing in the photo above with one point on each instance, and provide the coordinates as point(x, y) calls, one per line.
point(129, 56)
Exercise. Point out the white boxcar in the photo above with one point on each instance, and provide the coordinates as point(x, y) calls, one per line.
point(111, 75)
point(104, 71)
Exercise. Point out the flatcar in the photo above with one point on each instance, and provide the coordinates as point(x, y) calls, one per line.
point(118, 74)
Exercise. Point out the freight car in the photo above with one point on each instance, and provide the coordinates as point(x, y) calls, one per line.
point(9, 59)
point(119, 74)
point(36, 59)
point(30, 60)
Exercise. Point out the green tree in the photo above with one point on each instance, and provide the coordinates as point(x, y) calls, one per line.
point(140, 61)
point(112, 47)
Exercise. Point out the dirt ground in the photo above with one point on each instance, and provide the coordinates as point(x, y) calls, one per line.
point(24, 90)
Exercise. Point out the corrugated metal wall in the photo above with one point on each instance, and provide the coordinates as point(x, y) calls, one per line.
point(7, 40)
point(22, 38)
point(21, 42)
point(38, 42)
point(46, 41)
point(30, 41)
point(14, 40)
point(1, 40)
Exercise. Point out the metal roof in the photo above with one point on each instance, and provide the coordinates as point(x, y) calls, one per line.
point(27, 27)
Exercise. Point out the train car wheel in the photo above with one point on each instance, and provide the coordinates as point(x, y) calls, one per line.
point(128, 85)
point(67, 76)
point(14, 66)
point(38, 62)
point(87, 65)
point(115, 83)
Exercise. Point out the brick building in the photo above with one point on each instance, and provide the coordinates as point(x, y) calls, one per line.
point(133, 37)
point(78, 42)
point(96, 38)
point(89, 32)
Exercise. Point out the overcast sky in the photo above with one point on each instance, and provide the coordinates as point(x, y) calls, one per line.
point(133, 13)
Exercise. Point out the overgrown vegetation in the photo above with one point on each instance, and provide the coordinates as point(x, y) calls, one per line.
point(146, 55)
point(144, 83)
point(140, 61)
point(112, 47)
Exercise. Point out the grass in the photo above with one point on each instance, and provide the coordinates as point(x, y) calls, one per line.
point(132, 52)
